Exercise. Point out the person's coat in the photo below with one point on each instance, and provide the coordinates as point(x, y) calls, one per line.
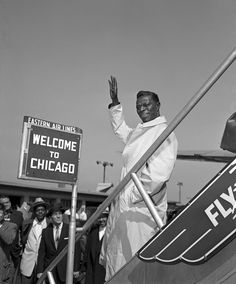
point(29, 257)
point(130, 224)
point(8, 233)
point(15, 217)
point(95, 272)
point(48, 251)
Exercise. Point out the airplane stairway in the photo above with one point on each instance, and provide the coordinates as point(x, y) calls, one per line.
point(197, 246)
point(220, 269)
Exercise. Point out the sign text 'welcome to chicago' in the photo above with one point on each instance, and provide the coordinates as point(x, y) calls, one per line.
point(50, 151)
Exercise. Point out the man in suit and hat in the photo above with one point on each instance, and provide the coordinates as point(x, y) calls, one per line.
point(54, 239)
point(95, 272)
point(31, 237)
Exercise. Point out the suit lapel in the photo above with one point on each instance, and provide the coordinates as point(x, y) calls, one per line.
point(64, 234)
point(50, 235)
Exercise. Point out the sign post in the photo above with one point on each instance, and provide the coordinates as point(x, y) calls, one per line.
point(71, 242)
point(51, 152)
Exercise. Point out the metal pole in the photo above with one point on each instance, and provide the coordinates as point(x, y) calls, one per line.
point(104, 171)
point(71, 242)
point(104, 164)
point(180, 184)
point(147, 201)
point(180, 194)
point(50, 278)
point(24, 149)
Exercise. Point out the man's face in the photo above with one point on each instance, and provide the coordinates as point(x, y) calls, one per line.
point(147, 108)
point(102, 221)
point(57, 218)
point(40, 213)
point(6, 202)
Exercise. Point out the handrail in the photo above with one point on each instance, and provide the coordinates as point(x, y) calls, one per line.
point(173, 124)
point(148, 201)
point(51, 278)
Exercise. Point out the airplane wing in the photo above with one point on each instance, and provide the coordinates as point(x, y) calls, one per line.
point(217, 156)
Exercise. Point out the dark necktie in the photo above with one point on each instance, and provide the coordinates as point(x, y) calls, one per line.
point(57, 236)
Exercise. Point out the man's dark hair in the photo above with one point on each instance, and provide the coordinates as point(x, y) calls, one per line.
point(4, 196)
point(148, 93)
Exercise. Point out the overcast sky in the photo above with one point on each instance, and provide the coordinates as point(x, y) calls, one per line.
point(56, 57)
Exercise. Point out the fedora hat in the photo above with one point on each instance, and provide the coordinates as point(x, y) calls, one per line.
point(105, 213)
point(55, 208)
point(38, 202)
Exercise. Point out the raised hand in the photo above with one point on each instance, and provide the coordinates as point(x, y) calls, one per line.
point(113, 90)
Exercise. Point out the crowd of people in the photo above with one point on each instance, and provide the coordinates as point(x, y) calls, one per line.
point(30, 241)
